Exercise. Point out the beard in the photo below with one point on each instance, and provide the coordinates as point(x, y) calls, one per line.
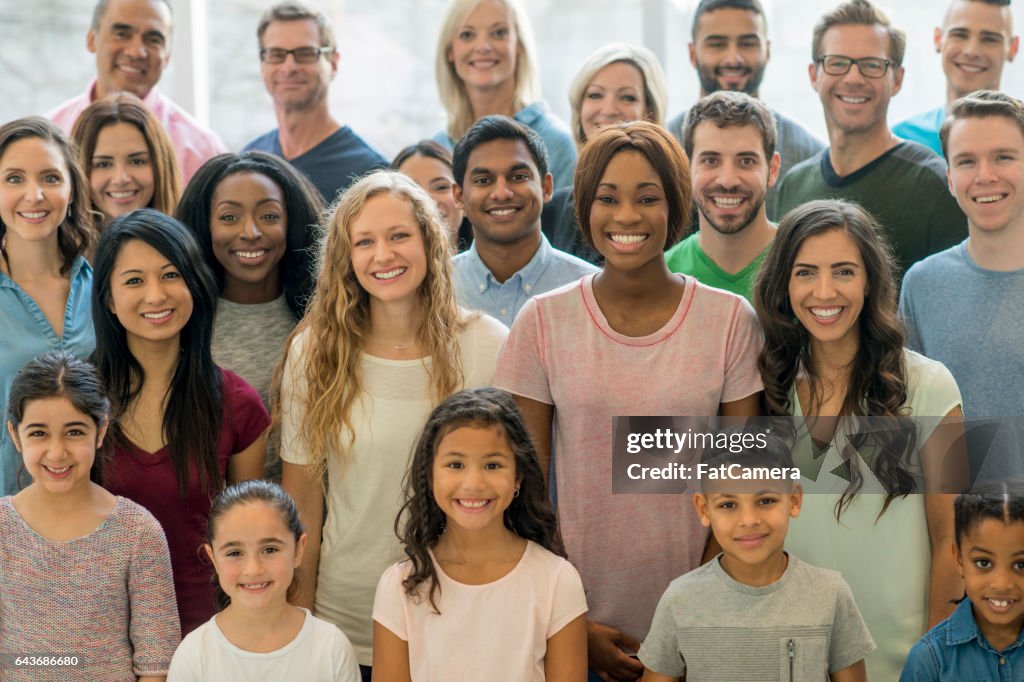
point(736, 224)
point(709, 79)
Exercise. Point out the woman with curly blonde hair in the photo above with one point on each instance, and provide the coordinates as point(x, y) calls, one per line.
point(383, 341)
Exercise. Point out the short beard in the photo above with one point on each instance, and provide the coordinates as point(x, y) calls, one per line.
point(709, 82)
point(731, 228)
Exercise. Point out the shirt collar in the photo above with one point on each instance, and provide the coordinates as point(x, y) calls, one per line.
point(151, 100)
point(963, 628)
point(528, 276)
point(531, 113)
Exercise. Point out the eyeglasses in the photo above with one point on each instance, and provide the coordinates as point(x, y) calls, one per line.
point(869, 67)
point(303, 55)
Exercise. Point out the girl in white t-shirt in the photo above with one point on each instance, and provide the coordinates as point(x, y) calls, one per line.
point(255, 543)
point(486, 592)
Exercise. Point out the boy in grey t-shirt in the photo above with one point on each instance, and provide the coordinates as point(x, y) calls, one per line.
point(755, 612)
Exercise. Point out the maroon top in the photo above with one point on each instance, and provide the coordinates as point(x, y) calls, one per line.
point(148, 479)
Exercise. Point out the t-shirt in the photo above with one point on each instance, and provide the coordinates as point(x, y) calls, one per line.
point(563, 352)
point(923, 129)
point(365, 482)
point(332, 165)
point(794, 143)
point(106, 597)
point(930, 222)
point(249, 339)
point(801, 627)
point(148, 478)
point(319, 653)
point(689, 258)
point(497, 631)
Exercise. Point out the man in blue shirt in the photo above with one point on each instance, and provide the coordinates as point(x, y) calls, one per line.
point(298, 61)
point(976, 41)
point(502, 181)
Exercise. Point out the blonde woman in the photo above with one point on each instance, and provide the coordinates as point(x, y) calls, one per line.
point(617, 83)
point(485, 65)
point(383, 341)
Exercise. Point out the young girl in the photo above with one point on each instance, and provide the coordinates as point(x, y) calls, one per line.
point(826, 298)
point(383, 342)
point(127, 157)
point(984, 638)
point(633, 339)
point(486, 593)
point(83, 574)
point(255, 542)
point(182, 426)
point(45, 282)
point(485, 65)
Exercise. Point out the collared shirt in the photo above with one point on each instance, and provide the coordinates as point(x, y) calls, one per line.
point(194, 144)
point(477, 289)
point(955, 650)
point(27, 333)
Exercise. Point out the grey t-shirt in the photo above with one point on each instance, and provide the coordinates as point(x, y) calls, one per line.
point(249, 340)
point(802, 627)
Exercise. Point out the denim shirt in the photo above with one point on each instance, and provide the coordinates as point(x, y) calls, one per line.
point(476, 288)
point(956, 651)
point(25, 333)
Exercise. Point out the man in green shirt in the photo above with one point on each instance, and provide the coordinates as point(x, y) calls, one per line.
point(730, 140)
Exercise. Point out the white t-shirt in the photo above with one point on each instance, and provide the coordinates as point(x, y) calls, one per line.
point(497, 631)
point(319, 653)
point(365, 485)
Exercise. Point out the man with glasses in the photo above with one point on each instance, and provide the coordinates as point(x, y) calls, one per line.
point(132, 43)
point(857, 68)
point(298, 60)
point(976, 41)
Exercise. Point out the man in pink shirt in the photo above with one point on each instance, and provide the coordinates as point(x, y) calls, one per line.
point(132, 43)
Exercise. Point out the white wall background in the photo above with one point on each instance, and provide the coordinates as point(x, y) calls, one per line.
point(385, 85)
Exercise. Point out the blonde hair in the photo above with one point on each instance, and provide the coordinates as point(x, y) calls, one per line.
point(337, 322)
point(450, 87)
point(655, 92)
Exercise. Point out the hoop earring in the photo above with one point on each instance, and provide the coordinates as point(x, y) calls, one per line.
point(516, 493)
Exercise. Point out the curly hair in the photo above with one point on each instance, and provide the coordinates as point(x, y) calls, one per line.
point(420, 522)
point(877, 385)
point(337, 323)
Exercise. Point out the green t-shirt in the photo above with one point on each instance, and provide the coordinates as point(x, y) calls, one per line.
point(688, 258)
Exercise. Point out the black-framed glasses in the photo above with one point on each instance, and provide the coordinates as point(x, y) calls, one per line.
point(869, 67)
point(303, 55)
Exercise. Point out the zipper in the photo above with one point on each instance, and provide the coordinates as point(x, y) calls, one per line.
point(792, 658)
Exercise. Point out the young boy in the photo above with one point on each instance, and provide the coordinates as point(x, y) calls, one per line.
point(755, 612)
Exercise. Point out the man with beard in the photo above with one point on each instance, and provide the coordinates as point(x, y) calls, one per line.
point(729, 138)
point(730, 51)
point(298, 60)
point(857, 68)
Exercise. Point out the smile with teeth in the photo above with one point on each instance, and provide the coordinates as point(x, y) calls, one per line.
point(125, 194)
point(727, 202)
point(33, 215)
point(158, 315)
point(473, 504)
point(253, 586)
point(826, 313)
point(849, 99)
point(989, 199)
point(1001, 604)
point(57, 470)
point(630, 238)
point(250, 254)
point(390, 274)
point(970, 68)
point(127, 68)
point(502, 212)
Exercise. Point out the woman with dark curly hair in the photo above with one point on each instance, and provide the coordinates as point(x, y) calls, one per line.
point(834, 355)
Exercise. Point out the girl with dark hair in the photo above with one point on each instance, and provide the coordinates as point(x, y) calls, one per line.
point(85, 574)
point(255, 218)
point(634, 339)
point(127, 157)
point(984, 638)
point(826, 298)
point(45, 282)
point(255, 541)
point(181, 426)
point(484, 555)
point(430, 166)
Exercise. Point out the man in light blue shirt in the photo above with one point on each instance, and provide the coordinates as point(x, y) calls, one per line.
point(502, 181)
point(976, 41)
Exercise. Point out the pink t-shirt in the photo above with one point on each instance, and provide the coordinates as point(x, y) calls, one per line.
point(148, 479)
point(562, 351)
point(194, 143)
point(497, 631)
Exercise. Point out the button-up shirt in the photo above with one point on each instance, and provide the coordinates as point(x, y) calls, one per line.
point(477, 289)
point(956, 651)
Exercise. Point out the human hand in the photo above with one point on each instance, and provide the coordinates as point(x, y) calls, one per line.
point(605, 654)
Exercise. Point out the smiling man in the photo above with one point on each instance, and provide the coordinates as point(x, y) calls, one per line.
point(730, 51)
point(298, 61)
point(502, 181)
point(729, 138)
point(856, 69)
point(132, 43)
point(976, 42)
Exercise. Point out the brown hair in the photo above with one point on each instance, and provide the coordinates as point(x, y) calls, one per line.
point(978, 105)
point(859, 13)
point(726, 109)
point(298, 11)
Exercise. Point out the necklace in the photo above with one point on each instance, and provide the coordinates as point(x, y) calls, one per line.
point(404, 347)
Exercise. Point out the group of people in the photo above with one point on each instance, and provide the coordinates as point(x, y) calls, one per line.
point(330, 418)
